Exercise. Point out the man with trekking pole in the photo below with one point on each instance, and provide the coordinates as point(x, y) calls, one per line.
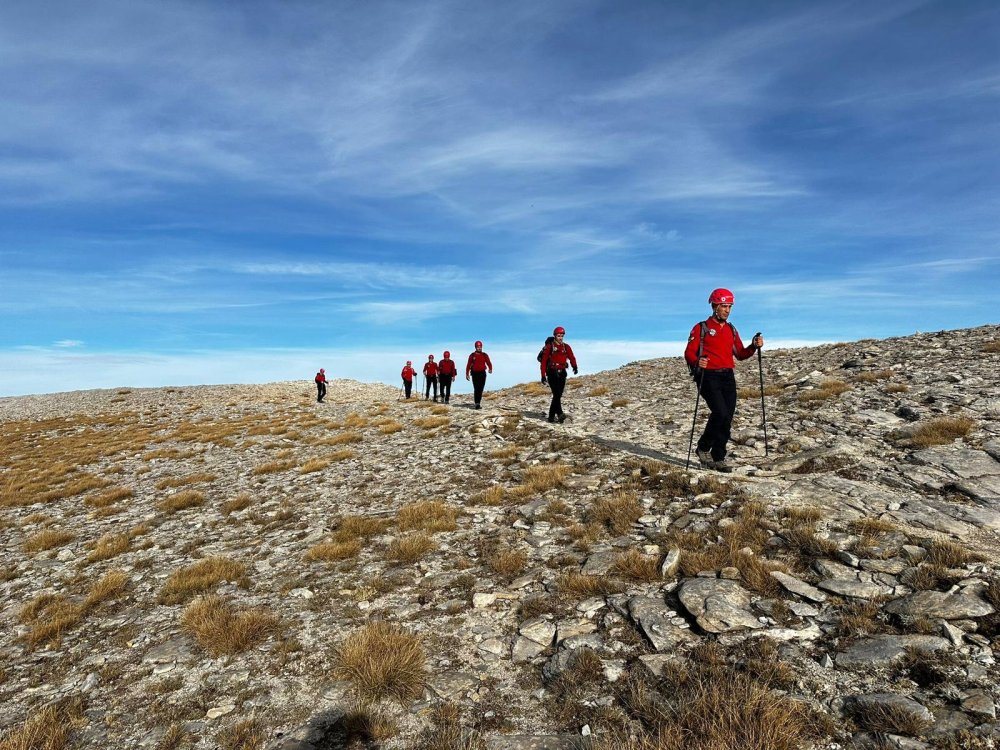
point(711, 349)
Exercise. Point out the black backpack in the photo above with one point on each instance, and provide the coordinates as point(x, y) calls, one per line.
point(548, 342)
point(695, 370)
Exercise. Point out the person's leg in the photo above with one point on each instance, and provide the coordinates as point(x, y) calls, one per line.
point(557, 381)
point(434, 382)
point(712, 392)
point(478, 384)
point(728, 387)
point(407, 385)
point(445, 388)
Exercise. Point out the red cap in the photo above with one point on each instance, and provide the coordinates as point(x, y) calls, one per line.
point(322, 370)
point(558, 330)
point(447, 354)
point(479, 344)
point(721, 297)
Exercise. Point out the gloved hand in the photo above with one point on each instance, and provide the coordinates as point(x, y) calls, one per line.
point(575, 371)
point(544, 380)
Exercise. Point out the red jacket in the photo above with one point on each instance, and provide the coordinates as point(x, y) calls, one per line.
point(722, 343)
point(478, 362)
point(408, 373)
point(557, 357)
point(447, 368)
point(431, 370)
point(320, 377)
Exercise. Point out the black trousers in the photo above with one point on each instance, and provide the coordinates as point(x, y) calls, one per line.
point(557, 382)
point(431, 381)
point(320, 391)
point(408, 386)
point(445, 382)
point(718, 388)
point(478, 383)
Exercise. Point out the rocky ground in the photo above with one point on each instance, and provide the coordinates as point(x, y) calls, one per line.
point(567, 585)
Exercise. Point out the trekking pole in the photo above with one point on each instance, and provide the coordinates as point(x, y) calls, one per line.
point(763, 413)
point(697, 397)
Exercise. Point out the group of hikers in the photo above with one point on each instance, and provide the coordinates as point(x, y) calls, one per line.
point(712, 347)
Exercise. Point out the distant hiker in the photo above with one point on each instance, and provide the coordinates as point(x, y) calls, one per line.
point(478, 364)
point(430, 377)
point(709, 354)
point(446, 374)
point(407, 374)
point(320, 385)
point(556, 357)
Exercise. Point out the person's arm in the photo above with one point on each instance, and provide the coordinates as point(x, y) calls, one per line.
point(745, 352)
point(488, 363)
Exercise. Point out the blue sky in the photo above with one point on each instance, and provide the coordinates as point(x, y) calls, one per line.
point(196, 192)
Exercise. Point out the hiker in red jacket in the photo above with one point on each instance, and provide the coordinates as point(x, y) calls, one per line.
point(478, 364)
point(430, 377)
point(407, 375)
point(556, 357)
point(446, 374)
point(710, 350)
point(320, 385)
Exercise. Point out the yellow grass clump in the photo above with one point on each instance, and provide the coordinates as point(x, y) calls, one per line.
point(942, 431)
point(220, 629)
point(181, 501)
point(108, 546)
point(429, 515)
point(110, 586)
point(381, 661)
point(539, 479)
point(617, 512)
point(109, 497)
point(46, 539)
point(826, 389)
point(390, 428)
point(330, 551)
point(199, 577)
point(171, 482)
point(272, 467)
point(409, 549)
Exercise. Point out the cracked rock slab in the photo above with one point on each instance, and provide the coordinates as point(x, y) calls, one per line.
point(719, 606)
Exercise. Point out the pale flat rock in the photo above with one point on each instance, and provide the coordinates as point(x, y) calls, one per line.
point(966, 463)
point(882, 650)
point(538, 630)
point(525, 649)
point(453, 685)
point(718, 605)
point(540, 742)
point(798, 586)
point(933, 604)
point(854, 588)
point(656, 621)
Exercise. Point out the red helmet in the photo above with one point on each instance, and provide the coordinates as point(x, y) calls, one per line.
point(721, 297)
point(322, 370)
point(447, 354)
point(478, 344)
point(558, 330)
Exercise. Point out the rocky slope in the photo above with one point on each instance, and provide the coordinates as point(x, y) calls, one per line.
point(566, 583)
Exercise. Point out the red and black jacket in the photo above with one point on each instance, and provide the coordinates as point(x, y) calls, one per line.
point(431, 369)
point(557, 357)
point(320, 377)
point(478, 362)
point(408, 373)
point(446, 368)
point(720, 343)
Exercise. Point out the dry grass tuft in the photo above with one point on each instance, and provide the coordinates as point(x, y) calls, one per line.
point(580, 585)
point(617, 512)
point(897, 388)
point(409, 549)
point(636, 566)
point(508, 451)
point(199, 577)
point(826, 389)
point(493, 496)
point(355, 421)
point(858, 618)
point(272, 467)
point(236, 504)
point(619, 402)
point(46, 539)
point(331, 551)
point(992, 347)
point(942, 431)
point(872, 376)
point(46, 729)
point(110, 586)
point(314, 464)
point(249, 734)
point(390, 428)
point(108, 546)
point(951, 554)
point(220, 629)
point(344, 438)
point(600, 390)
point(430, 516)
point(109, 497)
point(182, 500)
point(507, 562)
point(754, 392)
point(534, 388)
point(381, 661)
point(890, 718)
point(48, 617)
point(430, 423)
point(363, 527)
point(538, 479)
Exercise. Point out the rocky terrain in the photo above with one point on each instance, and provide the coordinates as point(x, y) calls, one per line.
point(242, 567)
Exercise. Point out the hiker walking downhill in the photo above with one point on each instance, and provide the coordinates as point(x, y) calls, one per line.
point(408, 374)
point(478, 365)
point(430, 377)
point(711, 348)
point(556, 356)
point(446, 374)
point(320, 385)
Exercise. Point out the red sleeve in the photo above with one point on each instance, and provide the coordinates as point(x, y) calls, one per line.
point(742, 352)
point(569, 353)
point(545, 359)
point(468, 365)
point(694, 339)
point(488, 363)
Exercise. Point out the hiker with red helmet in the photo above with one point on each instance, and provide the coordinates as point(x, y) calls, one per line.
point(556, 357)
point(478, 364)
point(430, 377)
point(407, 374)
point(711, 349)
point(320, 385)
point(446, 373)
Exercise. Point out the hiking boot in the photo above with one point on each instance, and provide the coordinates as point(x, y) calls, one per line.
point(478, 406)
point(724, 466)
point(705, 457)
point(562, 418)
point(552, 420)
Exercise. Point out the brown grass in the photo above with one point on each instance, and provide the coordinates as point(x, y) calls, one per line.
point(430, 423)
point(754, 392)
point(381, 661)
point(636, 566)
point(46, 539)
point(430, 516)
point(48, 617)
point(897, 388)
point(109, 497)
point(600, 390)
point(108, 546)
point(220, 629)
point(344, 438)
point(872, 376)
point(181, 501)
point(314, 464)
point(942, 431)
point(272, 467)
point(492, 496)
point(507, 562)
point(619, 402)
point(249, 734)
point(858, 618)
point(951, 554)
point(508, 451)
point(991, 347)
point(889, 718)
point(535, 388)
point(110, 586)
point(617, 512)
point(826, 389)
point(331, 551)
point(199, 577)
point(409, 549)
point(364, 527)
point(355, 421)
point(46, 729)
point(238, 503)
point(580, 585)
point(539, 479)
point(390, 428)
